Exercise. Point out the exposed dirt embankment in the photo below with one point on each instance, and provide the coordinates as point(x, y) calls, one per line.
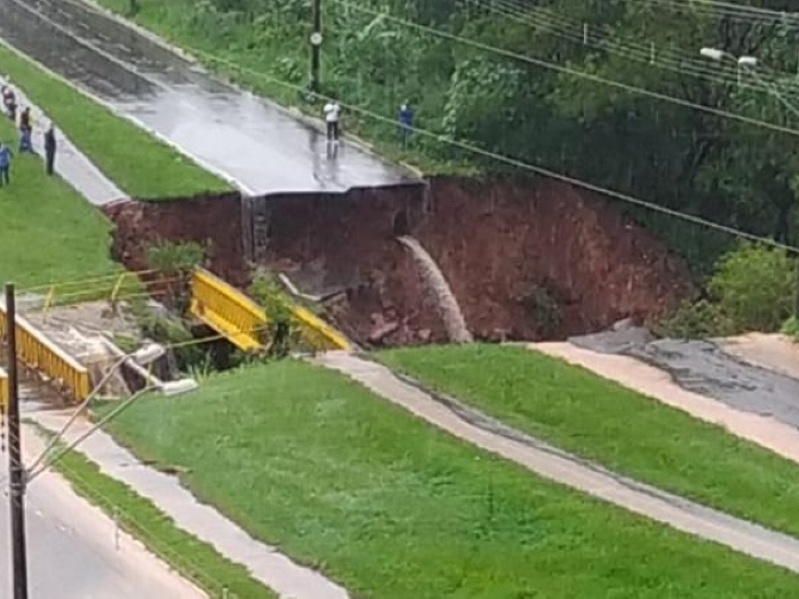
point(214, 222)
point(529, 259)
point(507, 246)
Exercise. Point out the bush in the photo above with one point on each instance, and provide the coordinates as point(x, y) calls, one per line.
point(175, 263)
point(755, 287)
point(694, 320)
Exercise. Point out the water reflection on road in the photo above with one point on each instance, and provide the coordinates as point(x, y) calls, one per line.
point(250, 140)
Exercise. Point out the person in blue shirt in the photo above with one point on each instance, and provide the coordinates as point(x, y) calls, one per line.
point(5, 164)
point(406, 122)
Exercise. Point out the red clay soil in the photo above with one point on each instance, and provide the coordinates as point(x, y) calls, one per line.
point(495, 241)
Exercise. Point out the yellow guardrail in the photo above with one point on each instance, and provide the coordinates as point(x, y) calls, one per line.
point(38, 353)
point(227, 310)
point(3, 392)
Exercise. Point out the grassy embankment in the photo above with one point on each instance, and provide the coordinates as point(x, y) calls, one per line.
point(50, 234)
point(625, 431)
point(195, 560)
point(390, 507)
point(139, 164)
point(47, 231)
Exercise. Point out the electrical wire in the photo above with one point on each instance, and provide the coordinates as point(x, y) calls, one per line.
point(510, 160)
point(586, 34)
point(570, 71)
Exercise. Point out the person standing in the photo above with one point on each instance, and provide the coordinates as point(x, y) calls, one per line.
point(332, 114)
point(5, 164)
point(10, 103)
point(406, 123)
point(25, 131)
point(49, 149)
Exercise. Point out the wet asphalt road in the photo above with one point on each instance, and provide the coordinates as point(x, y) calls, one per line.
point(71, 548)
point(237, 134)
point(704, 368)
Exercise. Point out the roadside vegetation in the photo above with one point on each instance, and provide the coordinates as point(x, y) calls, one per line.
point(620, 429)
point(49, 232)
point(753, 288)
point(391, 508)
point(380, 53)
point(141, 165)
point(193, 559)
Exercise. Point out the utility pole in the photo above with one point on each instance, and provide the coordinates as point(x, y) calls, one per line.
point(17, 473)
point(316, 45)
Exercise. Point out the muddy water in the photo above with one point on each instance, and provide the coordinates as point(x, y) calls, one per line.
point(706, 369)
point(243, 137)
point(436, 283)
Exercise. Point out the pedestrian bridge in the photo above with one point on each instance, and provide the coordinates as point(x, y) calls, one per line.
point(214, 302)
point(245, 324)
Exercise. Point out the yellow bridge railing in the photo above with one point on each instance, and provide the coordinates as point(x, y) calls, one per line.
point(3, 392)
point(38, 353)
point(228, 311)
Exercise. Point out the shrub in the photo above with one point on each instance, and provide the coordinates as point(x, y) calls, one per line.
point(694, 320)
point(755, 287)
point(175, 262)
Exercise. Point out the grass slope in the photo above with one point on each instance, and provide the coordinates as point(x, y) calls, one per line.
point(138, 163)
point(47, 231)
point(394, 509)
point(614, 426)
point(193, 559)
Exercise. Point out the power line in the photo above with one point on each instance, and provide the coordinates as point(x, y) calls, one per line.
point(586, 34)
point(513, 161)
point(568, 70)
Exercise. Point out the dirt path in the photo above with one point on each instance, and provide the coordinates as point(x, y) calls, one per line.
point(559, 466)
point(768, 432)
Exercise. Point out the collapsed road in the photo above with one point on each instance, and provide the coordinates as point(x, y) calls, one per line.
point(249, 140)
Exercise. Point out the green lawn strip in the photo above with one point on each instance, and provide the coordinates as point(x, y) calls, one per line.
point(195, 560)
point(137, 162)
point(47, 230)
point(390, 507)
point(607, 423)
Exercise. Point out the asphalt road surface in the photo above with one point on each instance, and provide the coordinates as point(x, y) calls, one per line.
point(248, 139)
point(71, 548)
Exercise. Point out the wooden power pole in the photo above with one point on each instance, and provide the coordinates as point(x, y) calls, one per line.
point(16, 468)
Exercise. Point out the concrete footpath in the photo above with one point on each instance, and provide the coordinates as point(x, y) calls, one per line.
point(551, 463)
point(75, 551)
point(265, 563)
point(70, 164)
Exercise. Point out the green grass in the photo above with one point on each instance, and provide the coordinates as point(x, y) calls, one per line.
point(193, 559)
point(393, 509)
point(614, 426)
point(138, 163)
point(47, 231)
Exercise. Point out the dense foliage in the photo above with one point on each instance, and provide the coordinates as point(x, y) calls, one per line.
point(375, 57)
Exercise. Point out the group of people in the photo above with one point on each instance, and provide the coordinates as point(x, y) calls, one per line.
point(25, 127)
point(332, 112)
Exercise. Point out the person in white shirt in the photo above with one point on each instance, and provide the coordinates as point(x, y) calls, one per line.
point(332, 112)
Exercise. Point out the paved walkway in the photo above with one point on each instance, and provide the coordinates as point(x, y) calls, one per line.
point(74, 551)
point(71, 164)
point(559, 466)
point(268, 566)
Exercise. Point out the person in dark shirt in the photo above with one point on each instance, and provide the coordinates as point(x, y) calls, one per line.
point(25, 130)
point(405, 116)
point(49, 149)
